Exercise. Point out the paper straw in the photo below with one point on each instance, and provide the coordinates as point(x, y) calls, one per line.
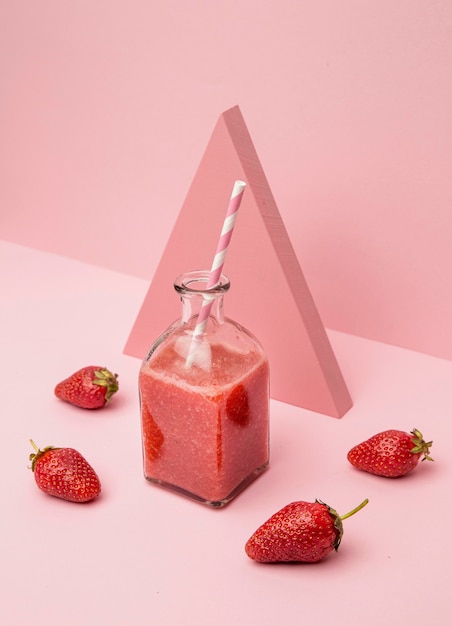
point(217, 266)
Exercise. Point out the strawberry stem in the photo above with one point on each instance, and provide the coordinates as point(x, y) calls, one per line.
point(420, 446)
point(355, 510)
point(105, 378)
point(37, 454)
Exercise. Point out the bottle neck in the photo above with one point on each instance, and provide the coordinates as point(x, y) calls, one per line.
point(194, 294)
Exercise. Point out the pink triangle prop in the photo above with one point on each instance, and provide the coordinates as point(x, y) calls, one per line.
point(268, 295)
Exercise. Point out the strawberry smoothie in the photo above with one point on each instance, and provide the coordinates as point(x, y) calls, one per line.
point(205, 428)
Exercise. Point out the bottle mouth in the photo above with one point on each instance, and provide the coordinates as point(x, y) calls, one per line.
point(195, 282)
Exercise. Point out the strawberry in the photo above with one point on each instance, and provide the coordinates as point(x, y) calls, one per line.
point(91, 387)
point(391, 453)
point(237, 406)
point(64, 473)
point(300, 531)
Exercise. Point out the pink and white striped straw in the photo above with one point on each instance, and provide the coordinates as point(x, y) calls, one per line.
point(217, 265)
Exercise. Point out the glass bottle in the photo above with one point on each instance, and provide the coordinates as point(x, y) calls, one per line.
point(204, 417)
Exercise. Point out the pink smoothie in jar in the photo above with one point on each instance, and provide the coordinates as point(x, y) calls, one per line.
point(205, 427)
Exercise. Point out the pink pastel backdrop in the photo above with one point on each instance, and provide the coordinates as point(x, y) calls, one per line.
point(106, 108)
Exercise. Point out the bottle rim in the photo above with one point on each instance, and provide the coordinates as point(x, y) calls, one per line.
point(194, 283)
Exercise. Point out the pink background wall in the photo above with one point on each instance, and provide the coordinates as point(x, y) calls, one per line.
point(106, 108)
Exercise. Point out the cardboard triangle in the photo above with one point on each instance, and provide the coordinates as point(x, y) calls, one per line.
point(269, 294)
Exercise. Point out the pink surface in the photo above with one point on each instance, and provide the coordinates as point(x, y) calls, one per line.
point(107, 106)
point(139, 555)
point(269, 294)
